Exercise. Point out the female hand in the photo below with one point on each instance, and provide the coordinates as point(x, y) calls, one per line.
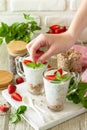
point(54, 43)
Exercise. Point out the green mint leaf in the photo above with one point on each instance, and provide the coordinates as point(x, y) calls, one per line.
point(15, 118)
point(58, 76)
point(4, 29)
point(39, 65)
point(34, 27)
point(66, 77)
point(28, 37)
point(82, 89)
point(1, 40)
point(77, 93)
point(28, 17)
point(16, 115)
point(72, 82)
point(72, 94)
point(9, 38)
point(55, 81)
point(74, 97)
point(21, 109)
point(19, 31)
point(32, 65)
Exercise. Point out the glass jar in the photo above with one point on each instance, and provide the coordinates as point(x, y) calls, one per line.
point(15, 48)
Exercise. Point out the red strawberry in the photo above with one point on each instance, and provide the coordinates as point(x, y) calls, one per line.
point(19, 80)
point(63, 28)
point(49, 66)
point(16, 96)
point(57, 31)
point(53, 27)
point(11, 88)
point(50, 77)
point(39, 52)
point(4, 108)
point(45, 62)
point(59, 70)
point(27, 61)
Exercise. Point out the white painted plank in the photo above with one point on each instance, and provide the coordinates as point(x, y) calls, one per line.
point(20, 5)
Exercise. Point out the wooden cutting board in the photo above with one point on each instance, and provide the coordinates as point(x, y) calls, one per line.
point(5, 79)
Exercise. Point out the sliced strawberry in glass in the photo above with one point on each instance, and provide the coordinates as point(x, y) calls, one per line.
point(49, 66)
point(27, 61)
point(59, 70)
point(50, 77)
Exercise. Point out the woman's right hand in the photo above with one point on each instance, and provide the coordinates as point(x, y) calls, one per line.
point(54, 43)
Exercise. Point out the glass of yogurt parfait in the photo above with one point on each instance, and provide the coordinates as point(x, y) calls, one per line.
point(56, 83)
point(33, 73)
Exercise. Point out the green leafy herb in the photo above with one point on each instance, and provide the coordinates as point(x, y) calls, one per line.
point(82, 89)
point(60, 78)
point(19, 31)
point(16, 115)
point(1, 40)
point(35, 65)
point(77, 93)
point(28, 17)
point(15, 118)
point(21, 109)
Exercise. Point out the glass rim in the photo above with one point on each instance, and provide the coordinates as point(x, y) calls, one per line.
point(76, 75)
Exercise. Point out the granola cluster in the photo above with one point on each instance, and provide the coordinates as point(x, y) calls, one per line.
point(70, 60)
point(56, 107)
point(35, 89)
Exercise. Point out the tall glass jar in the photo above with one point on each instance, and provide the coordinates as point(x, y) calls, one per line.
point(15, 48)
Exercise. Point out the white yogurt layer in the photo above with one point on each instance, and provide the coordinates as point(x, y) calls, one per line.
point(55, 92)
point(34, 76)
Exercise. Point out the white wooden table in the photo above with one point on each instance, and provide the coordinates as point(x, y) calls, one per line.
point(77, 123)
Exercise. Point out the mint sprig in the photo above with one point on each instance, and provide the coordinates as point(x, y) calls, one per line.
point(77, 92)
point(1, 40)
point(19, 31)
point(35, 65)
point(61, 78)
point(16, 116)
